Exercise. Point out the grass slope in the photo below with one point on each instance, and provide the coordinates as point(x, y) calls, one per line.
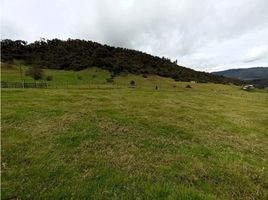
point(208, 142)
point(88, 78)
point(59, 77)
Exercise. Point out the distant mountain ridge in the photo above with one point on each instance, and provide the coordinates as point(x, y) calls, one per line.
point(245, 73)
point(255, 75)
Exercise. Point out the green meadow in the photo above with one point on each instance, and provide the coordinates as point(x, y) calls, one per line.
point(83, 138)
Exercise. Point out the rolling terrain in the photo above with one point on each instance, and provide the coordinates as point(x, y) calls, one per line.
point(245, 73)
point(255, 75)
point(80, 54)
point(96, 140)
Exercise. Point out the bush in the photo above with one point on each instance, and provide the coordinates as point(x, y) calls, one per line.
point(144, 76)
point(110, 80)
point(49, 78)
point(35, 72)
point(113, 75)
point(132, 83)
point(188, 86)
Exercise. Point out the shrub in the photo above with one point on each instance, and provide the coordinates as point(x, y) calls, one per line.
point(49, 78)
point(144, 76)
point(113, 75)
point(35, 72)
point(110, 80)
point(132, 83)
point(188, 86)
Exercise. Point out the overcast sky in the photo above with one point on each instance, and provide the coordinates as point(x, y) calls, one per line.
point(206, 35)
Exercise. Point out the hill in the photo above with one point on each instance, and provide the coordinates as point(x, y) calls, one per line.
point(80, 54)
point(245, 74)
point(88, 78)
point(260, 83)
point(256, 75)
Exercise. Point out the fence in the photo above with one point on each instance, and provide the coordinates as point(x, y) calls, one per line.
point(60, 85)
point(5, 84)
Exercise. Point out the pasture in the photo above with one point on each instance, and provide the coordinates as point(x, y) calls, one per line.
point(108, 141)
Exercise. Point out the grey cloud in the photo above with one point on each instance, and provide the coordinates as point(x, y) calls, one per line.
point(203, 34)
point(256, 53)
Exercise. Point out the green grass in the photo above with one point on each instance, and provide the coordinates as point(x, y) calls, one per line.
point(208, 142)
point(89, 78)
point(61, 78)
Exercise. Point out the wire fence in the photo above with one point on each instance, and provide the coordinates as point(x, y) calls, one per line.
point(103, 85)
point(64, 85)
point(5, 84)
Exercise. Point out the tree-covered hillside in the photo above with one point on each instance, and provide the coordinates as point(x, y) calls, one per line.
point(245, 74)
point(255, 75)
point(81, 54)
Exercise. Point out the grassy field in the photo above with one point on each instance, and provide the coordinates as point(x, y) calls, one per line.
point(207, 142)
point(89, 78)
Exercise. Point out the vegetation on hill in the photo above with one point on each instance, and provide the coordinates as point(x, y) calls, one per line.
point(245, 74)
point(255, 75)
point(260, 83)
point(91, 77)
point(81, 54)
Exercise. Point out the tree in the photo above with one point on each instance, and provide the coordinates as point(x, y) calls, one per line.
point(35, 72)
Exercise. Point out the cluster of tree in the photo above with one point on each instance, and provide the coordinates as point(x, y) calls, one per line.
point(38, 73)
point(35, 72)
point(81, 54)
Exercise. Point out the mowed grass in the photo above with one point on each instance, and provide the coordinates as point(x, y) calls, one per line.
point(208, 142)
